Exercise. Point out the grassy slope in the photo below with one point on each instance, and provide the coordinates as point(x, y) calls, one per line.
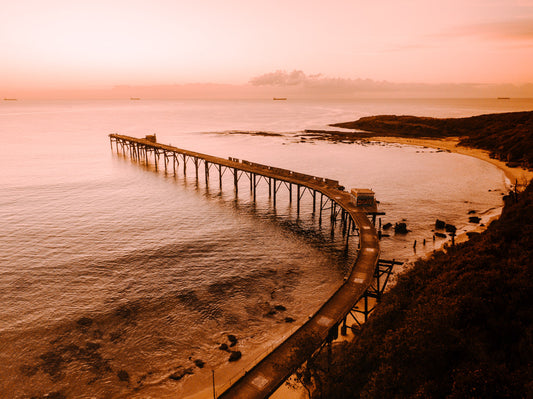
point(508, 136)
point(457, 325)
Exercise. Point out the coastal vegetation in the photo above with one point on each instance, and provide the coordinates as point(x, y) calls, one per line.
point(459, 324)
point(507, 136)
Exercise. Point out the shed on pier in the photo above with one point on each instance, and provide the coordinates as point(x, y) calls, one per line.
point(362, 197)
point(151, 138)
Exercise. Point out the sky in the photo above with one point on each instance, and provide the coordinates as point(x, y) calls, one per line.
point(95, 44)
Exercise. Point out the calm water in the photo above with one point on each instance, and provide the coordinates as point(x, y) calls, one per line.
point(114, 276)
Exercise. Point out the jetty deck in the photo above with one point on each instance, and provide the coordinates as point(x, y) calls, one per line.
point(269, 373)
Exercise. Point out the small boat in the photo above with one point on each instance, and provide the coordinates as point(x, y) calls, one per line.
point(134, 98)
point(504, 98)
point(10, 99)
point(279, 98)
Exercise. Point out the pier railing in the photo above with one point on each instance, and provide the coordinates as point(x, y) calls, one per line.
point(352, 296)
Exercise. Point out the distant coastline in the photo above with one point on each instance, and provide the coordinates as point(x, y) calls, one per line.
point(506, 136)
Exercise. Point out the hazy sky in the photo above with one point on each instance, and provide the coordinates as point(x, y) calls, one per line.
point(95, 43)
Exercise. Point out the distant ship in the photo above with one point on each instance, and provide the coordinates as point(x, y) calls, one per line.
point(279, 98)
point(10, 99)
point(504, 98)
point(134, 98)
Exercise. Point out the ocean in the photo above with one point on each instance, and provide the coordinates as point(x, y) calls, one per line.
point(117, 280)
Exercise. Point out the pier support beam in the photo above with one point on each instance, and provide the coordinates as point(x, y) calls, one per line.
point(298, 202)
point(290, 193)
point(255, 186)
point(236, 181)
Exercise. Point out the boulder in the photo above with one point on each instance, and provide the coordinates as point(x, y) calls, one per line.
point(387, 226)
point(441, 235)
point(450, 228)
point(440, 224)
point(400, 228)
point(474, 219)
point(234, 356)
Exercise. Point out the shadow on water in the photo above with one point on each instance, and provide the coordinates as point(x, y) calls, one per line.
point(320, 237)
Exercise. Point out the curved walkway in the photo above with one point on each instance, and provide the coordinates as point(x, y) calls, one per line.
point(270, 372)
point(267, 375)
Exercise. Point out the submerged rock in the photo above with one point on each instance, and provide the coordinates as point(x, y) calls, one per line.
point(232, 339)
point(123, 375)
point(387, 226)
point(199, 363)
point(474, 219)
point(84, 322)
point(178, 375)
point(223, 347)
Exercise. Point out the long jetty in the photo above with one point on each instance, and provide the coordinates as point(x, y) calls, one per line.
point(367, 278)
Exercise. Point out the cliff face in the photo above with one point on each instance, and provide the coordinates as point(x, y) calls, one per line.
point(457, 325)
point(507, 136)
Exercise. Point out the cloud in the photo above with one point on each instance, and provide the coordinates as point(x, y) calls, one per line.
point(316, 81)
point(319, 83)
point(298, 84)
point(280, 78)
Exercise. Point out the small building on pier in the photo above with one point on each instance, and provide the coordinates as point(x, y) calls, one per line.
point(151, 138)
point(363, 197)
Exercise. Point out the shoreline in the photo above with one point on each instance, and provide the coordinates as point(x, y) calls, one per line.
point(513, 174)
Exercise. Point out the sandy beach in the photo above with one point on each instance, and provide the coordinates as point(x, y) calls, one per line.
point(452, 144)
point(513, 175)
